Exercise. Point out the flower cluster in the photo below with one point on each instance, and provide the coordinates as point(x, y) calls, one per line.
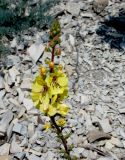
point(48, 92)
point(50, 87)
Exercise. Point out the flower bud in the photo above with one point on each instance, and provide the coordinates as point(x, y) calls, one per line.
point(43, 71)
point(51, 65)
point(58, 51)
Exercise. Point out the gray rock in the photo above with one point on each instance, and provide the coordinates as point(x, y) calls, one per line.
point(17, 128)
point(99, 5)
point(97, 135)
point(106, 127)
point(33, 157)
point(4, 149)
point(20, 156)
point(15, 148)
point(73, 8)
point(4, 123)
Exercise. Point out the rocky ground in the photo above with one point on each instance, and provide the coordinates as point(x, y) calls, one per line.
point(96, 96)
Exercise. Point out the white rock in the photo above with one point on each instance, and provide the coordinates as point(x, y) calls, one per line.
point(1, 83)
point(116, 142)
point(26, 84)
point(71, 40)
point(13, 72)
point(2, 93)
point(14, 101)
point(85, 99)
point(35, 51)
point(14, 148)
point(73, 8)
point(28, 103)
point(14, 43)
point(106, 127)
point(21, 95)
point(122, 110)
point(31, 129)
point(109, 145)
point(4, 149)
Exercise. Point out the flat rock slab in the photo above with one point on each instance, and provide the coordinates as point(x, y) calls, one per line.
point(73, 8)
point(97, 135)
point(4, 149)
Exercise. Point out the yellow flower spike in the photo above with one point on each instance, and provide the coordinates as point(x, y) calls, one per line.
point(61, 122)
point(47, 126)
point(62, 109)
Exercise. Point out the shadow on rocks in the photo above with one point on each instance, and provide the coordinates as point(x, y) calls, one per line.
point(112, 31)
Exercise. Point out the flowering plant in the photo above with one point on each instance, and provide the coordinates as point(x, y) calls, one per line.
point(50, 88)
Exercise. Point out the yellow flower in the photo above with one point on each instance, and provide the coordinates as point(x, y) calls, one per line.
point(58, 82)
point(61, 122)
point(48, 110)
point(62, 109)
point(40, 92)
point(47, 126)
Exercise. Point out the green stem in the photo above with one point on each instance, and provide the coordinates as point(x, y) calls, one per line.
point(59, 132)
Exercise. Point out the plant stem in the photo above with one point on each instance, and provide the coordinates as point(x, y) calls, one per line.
point(53, 50)
point(52, 58)
point(59, 132)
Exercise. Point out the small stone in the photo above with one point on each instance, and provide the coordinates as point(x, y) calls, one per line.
point(122, 110)
point(2, 94)
point(28, 103)
point(99, 5)
point(78, 152)
point(33, 157)
point(9, 131)
point(71, 40)
point(116, 142)
point(106, 127)
point(97, 135)
point(21, 113)
point(20, 156)
point(14, 43)
point(21, 95)
point(109, 145)
point(26, 84)
point(1, 83)
point(35, 51)
point(14, 101)
point(31, 129)
point(4, 149)
point(17, 128)
point(73, 8)
point(15, 148)
point(4, 123)
point(13, 72)
point(85, 99)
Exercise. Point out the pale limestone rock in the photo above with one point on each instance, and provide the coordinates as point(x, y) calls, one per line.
point(4, 149)
point(35, 51)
